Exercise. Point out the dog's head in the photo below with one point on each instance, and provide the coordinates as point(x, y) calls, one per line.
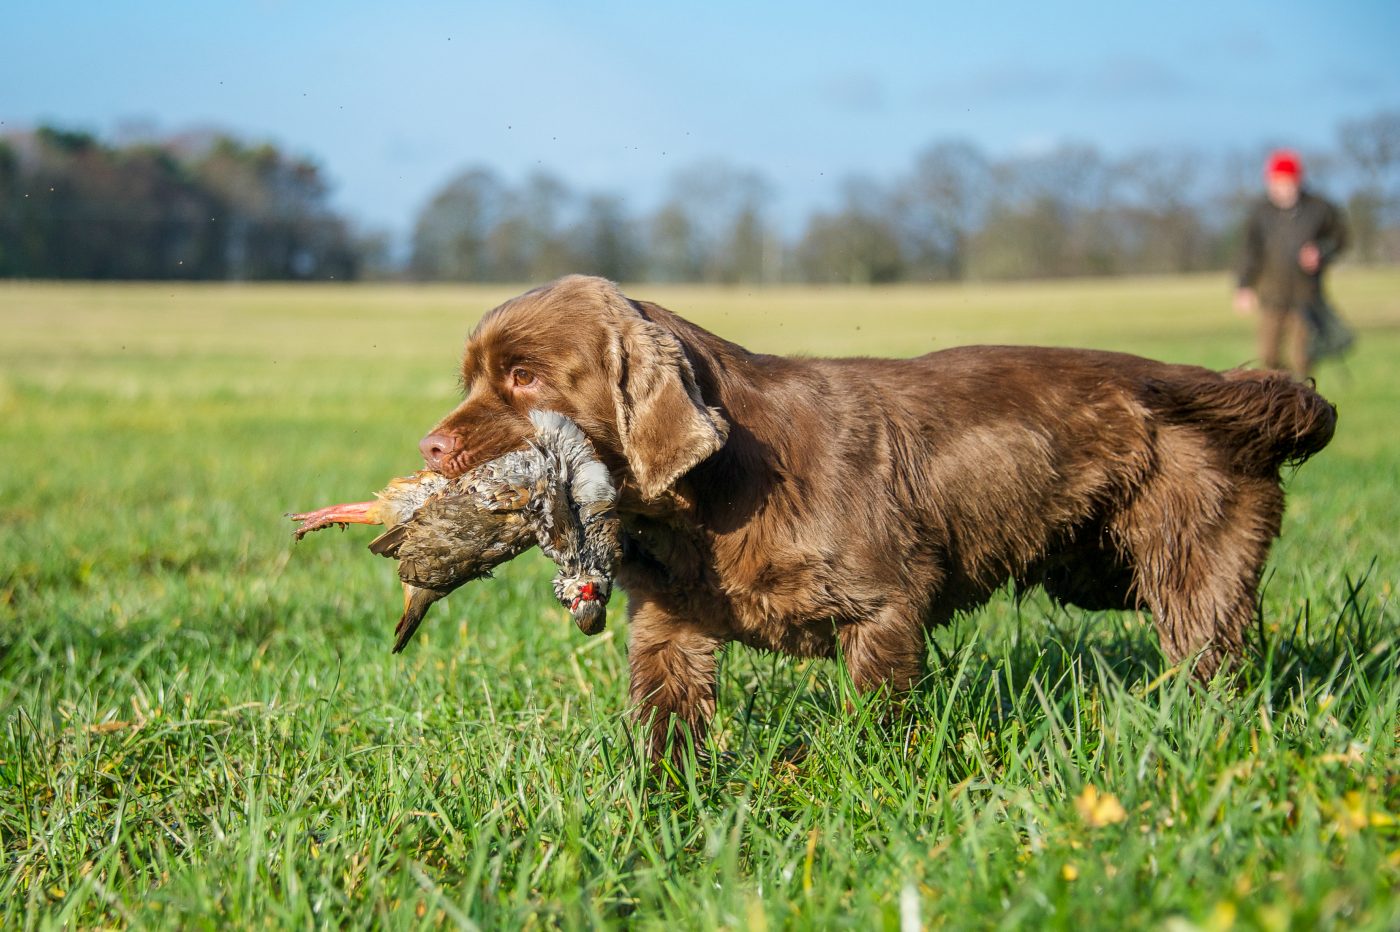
point(580, 347)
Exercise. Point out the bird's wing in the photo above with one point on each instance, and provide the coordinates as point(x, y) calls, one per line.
point(388, 543)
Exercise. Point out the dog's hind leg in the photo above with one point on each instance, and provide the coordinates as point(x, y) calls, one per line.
point(1197, 537)
point(887, 649)
point(1089, 571)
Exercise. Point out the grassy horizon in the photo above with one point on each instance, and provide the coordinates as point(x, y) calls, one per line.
point(202, 726)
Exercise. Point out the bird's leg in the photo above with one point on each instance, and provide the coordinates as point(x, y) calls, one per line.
point(351, 513)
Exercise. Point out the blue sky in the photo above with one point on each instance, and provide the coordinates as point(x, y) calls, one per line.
point(393, 97)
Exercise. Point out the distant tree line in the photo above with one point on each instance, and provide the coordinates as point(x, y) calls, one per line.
point(208, 206)
point(955, 213)
point(204, 206)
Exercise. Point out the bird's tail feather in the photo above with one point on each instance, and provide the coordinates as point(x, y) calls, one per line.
point(416, 603)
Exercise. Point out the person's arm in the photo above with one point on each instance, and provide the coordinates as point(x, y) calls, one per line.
point(1331, 235)
point(1252, 252)
point(1330, 239)
point(1251, 263)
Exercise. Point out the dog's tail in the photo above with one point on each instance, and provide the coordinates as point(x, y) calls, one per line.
point(1263, 419)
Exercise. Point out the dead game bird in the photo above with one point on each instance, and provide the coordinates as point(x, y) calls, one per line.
point(448, 532)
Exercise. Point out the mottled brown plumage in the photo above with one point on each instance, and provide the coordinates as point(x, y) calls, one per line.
point(448, 532)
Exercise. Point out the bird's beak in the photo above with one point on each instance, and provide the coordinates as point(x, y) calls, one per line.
point(352, 513)
point(415, 606)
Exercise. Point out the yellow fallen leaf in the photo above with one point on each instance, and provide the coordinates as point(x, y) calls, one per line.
point(1350, 756)
point(1356, 813)
point(1099, 809)
point(106, 728)
point(756, 917)
point(1222, 917)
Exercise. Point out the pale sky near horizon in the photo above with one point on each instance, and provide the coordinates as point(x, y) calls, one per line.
point(393, 98)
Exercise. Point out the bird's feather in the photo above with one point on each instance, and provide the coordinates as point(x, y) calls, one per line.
point(387, 544)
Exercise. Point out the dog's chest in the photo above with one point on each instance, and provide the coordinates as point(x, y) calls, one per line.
point(777, 597)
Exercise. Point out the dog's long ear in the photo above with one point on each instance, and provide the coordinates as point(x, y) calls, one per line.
point(663, 422)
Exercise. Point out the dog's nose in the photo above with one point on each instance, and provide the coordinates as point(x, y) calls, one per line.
point(437, 448)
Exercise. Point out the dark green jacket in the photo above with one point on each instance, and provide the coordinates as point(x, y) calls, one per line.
point(1272, 238)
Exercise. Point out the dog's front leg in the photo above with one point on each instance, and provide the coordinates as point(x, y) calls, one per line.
point(673, 677)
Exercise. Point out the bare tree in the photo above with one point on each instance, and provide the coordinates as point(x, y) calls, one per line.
point(1371, 147)
point(715, 218)
point(941, 204)
point(676, 252)
point(857, 244)
point(604, 242)
point(1160, 226)
point(451, 235)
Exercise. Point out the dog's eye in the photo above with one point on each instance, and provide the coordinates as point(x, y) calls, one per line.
point(521, 377)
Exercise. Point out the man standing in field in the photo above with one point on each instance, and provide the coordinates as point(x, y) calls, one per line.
point(1290, 238)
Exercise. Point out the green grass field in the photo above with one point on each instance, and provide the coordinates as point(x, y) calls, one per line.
point(202, 726)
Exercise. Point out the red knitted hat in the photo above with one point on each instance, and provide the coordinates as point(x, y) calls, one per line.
point(1284, 162)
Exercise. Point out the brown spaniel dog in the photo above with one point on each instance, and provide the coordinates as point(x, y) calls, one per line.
point(801, 505)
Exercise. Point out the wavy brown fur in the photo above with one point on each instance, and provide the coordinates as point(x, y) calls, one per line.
point(806, 505)
point(1268, 418)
